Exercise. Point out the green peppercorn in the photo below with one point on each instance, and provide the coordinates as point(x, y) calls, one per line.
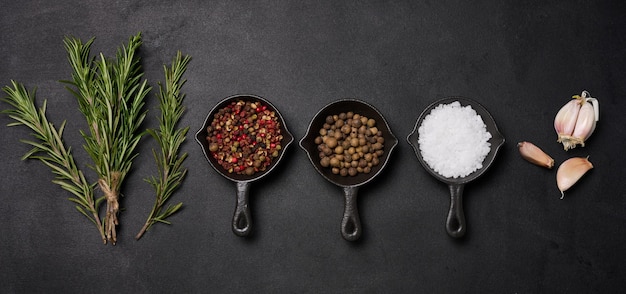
point(213, 147)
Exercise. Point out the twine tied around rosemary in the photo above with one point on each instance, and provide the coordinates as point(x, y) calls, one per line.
point(111, 194)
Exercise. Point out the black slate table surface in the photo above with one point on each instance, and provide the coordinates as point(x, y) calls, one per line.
point(522, 60)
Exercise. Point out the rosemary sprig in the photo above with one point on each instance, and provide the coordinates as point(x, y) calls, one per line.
point(169, 138)
point(50, 149)
point(111, 97)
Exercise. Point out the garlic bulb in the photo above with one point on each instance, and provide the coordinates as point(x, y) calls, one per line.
point(570, 171)
point(535, 155)
point(576, 120)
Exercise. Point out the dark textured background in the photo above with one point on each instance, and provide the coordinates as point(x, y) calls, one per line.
point(521, 59)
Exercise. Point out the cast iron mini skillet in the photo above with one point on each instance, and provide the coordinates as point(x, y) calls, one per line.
point(455, 222)
point(351, 224)
point(242, 220)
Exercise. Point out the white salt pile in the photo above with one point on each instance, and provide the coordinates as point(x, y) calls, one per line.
point(453, 140)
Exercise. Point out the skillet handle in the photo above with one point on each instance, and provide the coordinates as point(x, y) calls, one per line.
point(351, 223)
point(242, 219)
point(455, 223)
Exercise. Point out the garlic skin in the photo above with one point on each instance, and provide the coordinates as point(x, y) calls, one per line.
point(535, 155)
point(576, 120)
point(570, 171)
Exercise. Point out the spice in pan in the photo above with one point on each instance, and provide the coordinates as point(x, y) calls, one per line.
point(349, 144)
point(453, 140)
point(244, 137)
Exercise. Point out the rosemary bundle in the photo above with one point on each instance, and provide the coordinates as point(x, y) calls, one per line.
point(110, 95)
point(168, 161)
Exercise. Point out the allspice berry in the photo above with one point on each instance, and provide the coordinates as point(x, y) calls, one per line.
point(331, 142)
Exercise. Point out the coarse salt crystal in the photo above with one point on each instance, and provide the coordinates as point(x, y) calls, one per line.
point(453, 140)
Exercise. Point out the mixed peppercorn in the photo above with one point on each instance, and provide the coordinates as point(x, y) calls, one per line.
point(244, 137)
point(349, 144)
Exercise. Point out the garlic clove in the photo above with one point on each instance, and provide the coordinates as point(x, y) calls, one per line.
point(535, 155)
point(565, 120)
point(585, 124)
point(570, 171)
